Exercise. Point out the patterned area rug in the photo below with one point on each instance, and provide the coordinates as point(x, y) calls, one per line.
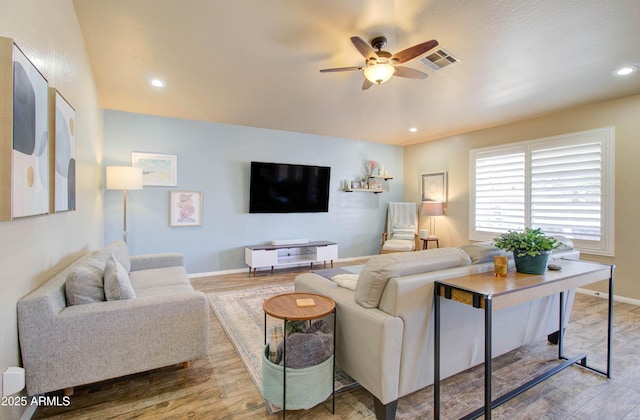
point(240, 313)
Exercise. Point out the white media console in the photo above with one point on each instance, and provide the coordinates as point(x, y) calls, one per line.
point(287, 253)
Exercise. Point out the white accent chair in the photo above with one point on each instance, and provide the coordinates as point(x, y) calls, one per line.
point(402, 228)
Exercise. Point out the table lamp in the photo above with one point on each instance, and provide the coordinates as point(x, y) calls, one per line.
point(432, 209)
point(124, 178)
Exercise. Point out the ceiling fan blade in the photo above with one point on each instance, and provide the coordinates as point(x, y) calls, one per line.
point(341, 69)
point(365, 49)
point(410, 73)
point(413, 52)
point(366, 84)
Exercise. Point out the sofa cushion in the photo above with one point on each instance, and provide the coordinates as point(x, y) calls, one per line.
point(567, 244)
point(117, 285)
point(399, 245)
point(483, 252)
point(159, 277)
point(84, 285)
point(380, 268)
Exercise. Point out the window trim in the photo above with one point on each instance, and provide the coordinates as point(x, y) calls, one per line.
point(605, 135)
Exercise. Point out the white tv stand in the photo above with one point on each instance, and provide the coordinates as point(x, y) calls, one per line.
point(287, 254)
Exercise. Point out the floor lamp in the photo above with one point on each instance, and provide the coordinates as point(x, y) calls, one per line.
point(432, 209)
point(124, 178)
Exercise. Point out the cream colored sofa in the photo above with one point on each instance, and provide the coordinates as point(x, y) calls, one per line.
point(384, 336)
point(64, 345)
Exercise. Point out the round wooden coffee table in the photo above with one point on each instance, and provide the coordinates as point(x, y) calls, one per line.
point(300, 307)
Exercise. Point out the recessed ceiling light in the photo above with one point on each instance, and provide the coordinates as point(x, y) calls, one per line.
point(626, 70)
point(413, 129)
point(157, 83)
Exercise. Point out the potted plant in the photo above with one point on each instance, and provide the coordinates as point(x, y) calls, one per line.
point(531, 249)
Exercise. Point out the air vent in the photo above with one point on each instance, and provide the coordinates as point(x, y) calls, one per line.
point(438, 60)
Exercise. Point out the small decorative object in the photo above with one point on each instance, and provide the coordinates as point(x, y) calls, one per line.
point(185, 208)
point(305, 303)
point(372, 165)
point(375, 184)
point(381, 171)
point(500, 265)
point(157, 169)
point(531, 249)
point(356, 185)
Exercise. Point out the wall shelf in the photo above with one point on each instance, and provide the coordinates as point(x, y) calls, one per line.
point(369, 182)
point(363, 190)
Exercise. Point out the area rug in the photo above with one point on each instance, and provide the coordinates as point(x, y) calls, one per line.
point(240, 313)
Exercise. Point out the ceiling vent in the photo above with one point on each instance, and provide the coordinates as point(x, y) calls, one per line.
point(438, 60)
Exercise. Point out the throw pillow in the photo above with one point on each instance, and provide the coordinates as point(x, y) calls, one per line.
point(405, 233)
point(483, 252)
point(117, 285)
point(84, 285)
point(379, 269)
point(121, 251)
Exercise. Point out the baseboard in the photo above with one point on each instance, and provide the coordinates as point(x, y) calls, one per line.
point(604, 295)
point(246, 269)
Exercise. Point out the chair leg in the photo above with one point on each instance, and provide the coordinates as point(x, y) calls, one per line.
point(186, 365)
point(68, 391)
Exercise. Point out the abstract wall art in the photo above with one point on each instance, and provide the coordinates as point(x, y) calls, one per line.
point(62, 130)
point(185, 208)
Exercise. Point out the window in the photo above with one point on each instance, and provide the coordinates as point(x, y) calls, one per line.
point(563, 185)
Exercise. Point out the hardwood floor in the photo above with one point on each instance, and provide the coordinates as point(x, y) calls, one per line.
point(218, 386)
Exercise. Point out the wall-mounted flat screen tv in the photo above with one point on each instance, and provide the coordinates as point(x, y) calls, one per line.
point(287, 188)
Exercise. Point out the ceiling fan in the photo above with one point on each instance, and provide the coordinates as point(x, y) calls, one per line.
point(381, 65)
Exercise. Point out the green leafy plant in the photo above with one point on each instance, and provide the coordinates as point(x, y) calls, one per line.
point(530, 242)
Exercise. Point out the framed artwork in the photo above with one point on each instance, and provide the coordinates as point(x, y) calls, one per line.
point(356, 185)
point(157, 169)
point(30, 148)
point(375, 184)
point(185, 208)
point(62, 136)
point(434, 187)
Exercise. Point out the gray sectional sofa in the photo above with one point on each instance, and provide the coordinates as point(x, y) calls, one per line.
point(384, 332)
point(107, 315)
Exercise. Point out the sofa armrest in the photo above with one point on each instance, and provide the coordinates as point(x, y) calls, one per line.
point(368, 341)
point(97, 341)
point(145, 262)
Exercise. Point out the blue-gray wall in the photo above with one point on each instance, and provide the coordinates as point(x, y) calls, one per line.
point(215, 159)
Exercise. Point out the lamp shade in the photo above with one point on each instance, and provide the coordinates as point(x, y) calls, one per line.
point(124, 178)
point(379, 73)
point(432, 209)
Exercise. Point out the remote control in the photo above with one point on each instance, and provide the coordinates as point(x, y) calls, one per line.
point(554, 267)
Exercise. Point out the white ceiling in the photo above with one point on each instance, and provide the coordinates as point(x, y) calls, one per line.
point(256, 62)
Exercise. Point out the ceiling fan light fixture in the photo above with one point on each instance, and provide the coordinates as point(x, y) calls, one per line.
point(379, 72)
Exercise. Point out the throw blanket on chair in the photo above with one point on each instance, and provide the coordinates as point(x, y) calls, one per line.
point(402, 214)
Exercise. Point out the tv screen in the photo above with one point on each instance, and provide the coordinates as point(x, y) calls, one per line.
point(286, 188)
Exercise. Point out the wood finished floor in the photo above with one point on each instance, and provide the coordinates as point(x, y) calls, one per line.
point(218, 386)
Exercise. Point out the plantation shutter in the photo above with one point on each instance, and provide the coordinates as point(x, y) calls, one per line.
point(566, 190)
point(564, 185)
point(500, 192)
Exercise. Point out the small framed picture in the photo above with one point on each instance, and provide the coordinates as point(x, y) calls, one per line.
point(375, 184)
point(356, 185)
point(157, 169)
point(434, 187)
point(185, 208)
